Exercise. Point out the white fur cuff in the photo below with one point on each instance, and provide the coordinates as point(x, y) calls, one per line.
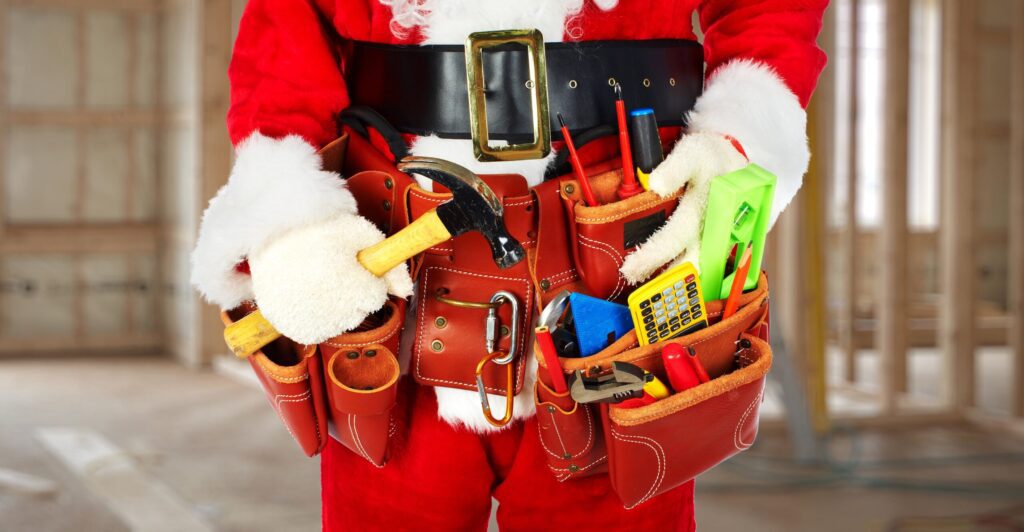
point(276, 185)
point(749, 101)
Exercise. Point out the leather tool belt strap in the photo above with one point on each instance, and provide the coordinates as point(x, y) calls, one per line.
point(422, 89)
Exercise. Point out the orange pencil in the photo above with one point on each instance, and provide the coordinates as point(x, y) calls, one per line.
point(738, 281)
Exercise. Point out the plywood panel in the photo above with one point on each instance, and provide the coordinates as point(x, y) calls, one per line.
point(106, 176)
point(142, 206)
point(40, 175)
point(41, 302)
point(147, 53)
point(107, 50)
point(105, 288)
point(41, 58)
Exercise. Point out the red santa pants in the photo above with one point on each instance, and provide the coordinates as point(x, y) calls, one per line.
point(443, 478)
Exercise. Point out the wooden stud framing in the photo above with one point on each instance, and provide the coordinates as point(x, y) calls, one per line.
point(892, 288)
point(214, 144)
point(956, 259)
point(1016, 223)
point(848, 311)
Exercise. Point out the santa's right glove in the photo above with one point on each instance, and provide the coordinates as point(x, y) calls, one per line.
point(298, 227)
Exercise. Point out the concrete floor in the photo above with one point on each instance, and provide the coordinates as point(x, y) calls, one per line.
point(218, 447)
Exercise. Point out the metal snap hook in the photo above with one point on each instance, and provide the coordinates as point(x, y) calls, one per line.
point(492, 325)
point(485, 403)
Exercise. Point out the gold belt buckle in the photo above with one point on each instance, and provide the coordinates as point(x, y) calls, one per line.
point(476, 43)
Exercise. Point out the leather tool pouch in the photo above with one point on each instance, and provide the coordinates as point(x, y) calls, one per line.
point(291, 377)
point(603, 235)
point(654, 448)
point(361, 372)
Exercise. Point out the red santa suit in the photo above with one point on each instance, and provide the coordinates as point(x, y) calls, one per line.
point(287, 89)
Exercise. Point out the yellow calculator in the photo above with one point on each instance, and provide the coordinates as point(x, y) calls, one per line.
point(670, 305)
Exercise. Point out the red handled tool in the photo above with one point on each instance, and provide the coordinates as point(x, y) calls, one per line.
point(577, 166)
point(629, 186)
point(684, 369)
point(550, 354)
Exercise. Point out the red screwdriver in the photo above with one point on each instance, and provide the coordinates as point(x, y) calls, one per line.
point(629, 186)
point(577, 167)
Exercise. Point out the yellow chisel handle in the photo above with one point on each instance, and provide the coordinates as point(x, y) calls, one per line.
point(251, 333)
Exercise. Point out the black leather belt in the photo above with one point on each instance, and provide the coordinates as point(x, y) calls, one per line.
point(422, 89)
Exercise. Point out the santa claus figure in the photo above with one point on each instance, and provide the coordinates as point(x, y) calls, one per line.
point(298, 226)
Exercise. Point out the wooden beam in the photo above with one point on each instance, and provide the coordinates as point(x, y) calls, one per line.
point(1016, 224)
point(92, 5)
point(84, 117)
point(957, 250)
point(80, 239)
point(16, 347)
point(848, 310)
point(892, 288)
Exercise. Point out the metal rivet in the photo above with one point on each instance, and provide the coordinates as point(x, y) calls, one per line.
point(574, 468)
point(529, 84)
point(440, 322)
point(531, 234)
point(504, 331)
point(437, 346)
point(573, 84)
point(551, 409)
point(647, 82)
point(569, 189)
point(567, 456)
point(371, 353)
point(545, 284)
point(672, 81)
point(611, 82)
point(387, 205)
point(352, 355)
point(388, 183)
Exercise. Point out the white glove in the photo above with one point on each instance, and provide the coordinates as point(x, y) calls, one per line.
point(748, 101)
point(297, 225)
point(310, 286)
point(696, 159)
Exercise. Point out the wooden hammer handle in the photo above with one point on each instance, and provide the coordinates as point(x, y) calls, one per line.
point(251, 333)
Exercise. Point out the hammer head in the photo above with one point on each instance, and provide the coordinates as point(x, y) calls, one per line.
point(473, 206)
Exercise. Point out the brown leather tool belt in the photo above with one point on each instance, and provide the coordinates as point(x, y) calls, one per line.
point(423, 89)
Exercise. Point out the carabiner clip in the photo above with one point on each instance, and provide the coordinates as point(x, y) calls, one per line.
point(492, 326)
point(509, 390)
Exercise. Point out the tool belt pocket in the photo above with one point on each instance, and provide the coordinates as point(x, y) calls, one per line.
point(657, 447)
point(570, 434)
point(606, 233)
point(362, 372)
point(290, 375)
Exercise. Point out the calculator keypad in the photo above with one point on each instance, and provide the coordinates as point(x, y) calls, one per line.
point(673, 310)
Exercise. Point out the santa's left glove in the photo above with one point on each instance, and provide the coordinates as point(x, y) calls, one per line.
point(747, 113)
point(297, 226)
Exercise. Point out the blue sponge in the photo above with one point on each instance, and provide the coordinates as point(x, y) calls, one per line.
point(598, 322)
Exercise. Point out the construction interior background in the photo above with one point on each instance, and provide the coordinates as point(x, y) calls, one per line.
point(897, 402)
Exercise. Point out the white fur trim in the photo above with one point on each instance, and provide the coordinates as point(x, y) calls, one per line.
point(695, 161)
point(310, 286)
point(275, 186)
point(462, 408)
point(748, 100)
point(460, 152)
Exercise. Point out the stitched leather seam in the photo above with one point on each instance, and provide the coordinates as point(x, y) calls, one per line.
point(388, 336)
point(422, 331)
point(569, 474)
point(736, 439)
point(659, 453)
point(263, 362)
point(620, 215)
point(558, 433)
point(291, 398)
point(618, 263)
point(359, 442)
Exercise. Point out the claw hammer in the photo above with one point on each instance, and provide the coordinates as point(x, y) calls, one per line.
point(473, 207)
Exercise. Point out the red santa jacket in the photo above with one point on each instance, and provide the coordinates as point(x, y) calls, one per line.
point(286, 78)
